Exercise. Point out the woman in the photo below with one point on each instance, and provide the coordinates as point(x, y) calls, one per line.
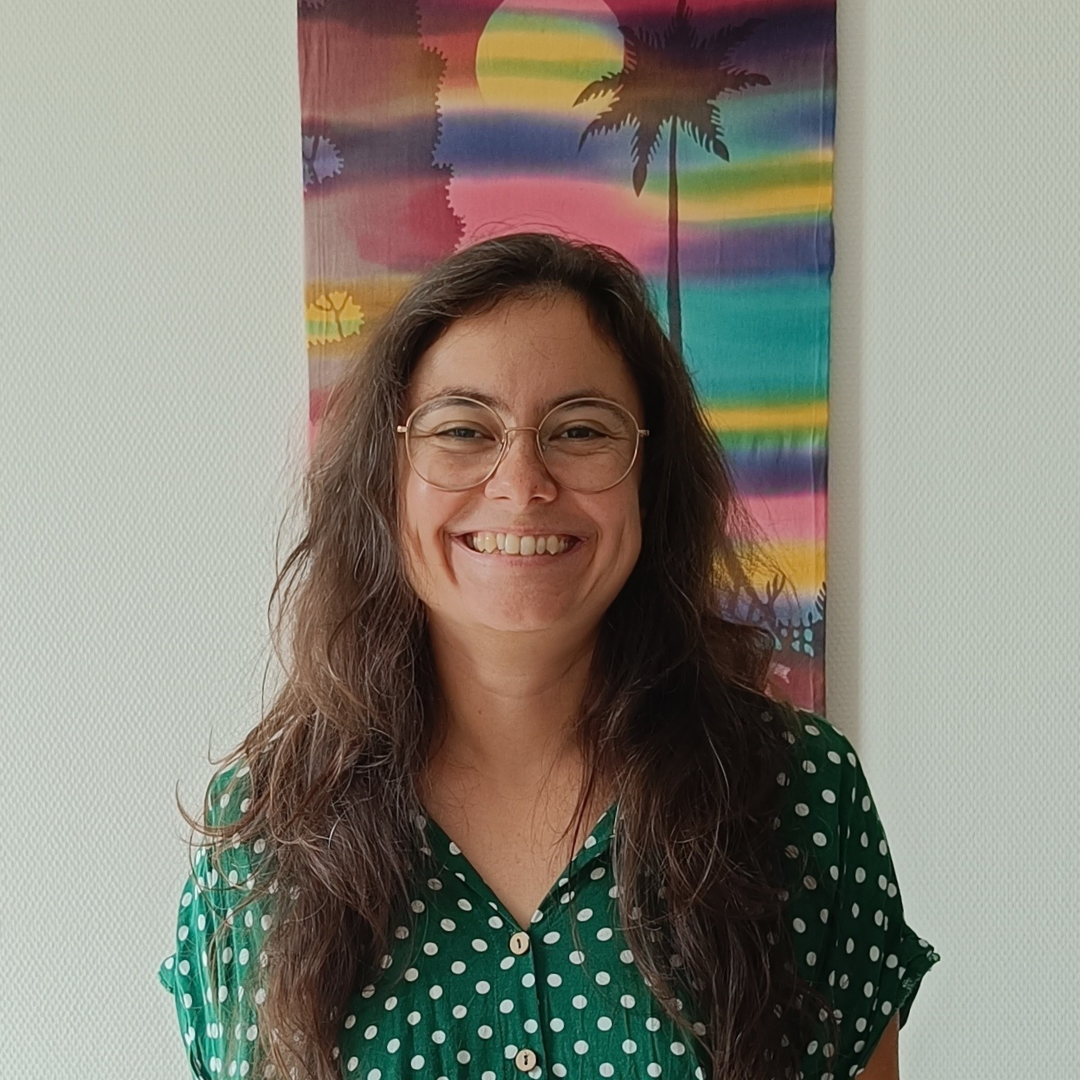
point(505, 635)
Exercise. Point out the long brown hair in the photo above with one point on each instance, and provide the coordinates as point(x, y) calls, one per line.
point(675, 716)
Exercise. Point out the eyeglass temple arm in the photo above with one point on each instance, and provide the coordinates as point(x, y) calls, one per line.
point(401, 429)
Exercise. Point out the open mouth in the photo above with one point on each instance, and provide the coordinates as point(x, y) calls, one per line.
point(514, 546)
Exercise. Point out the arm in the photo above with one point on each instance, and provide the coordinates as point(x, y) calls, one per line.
point(884, 1063)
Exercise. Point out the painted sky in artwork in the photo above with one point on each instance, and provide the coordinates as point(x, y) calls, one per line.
point(510, 130)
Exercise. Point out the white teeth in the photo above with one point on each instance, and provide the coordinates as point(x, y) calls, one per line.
point(512, 544)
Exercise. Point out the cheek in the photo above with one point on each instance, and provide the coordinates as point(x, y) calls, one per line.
point(423, 516)
point(412, 534)
point(625, 533)
point(634, 533)
point(633, 509)
point(633, 544)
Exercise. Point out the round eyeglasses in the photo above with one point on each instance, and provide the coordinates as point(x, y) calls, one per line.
point(587, 444)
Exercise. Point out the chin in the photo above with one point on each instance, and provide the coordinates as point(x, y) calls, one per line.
point(517, 612)
point(519, 621)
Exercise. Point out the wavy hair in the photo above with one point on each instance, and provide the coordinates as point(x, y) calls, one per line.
point(675, 717)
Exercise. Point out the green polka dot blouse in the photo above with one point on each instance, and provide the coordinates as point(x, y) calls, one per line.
point(471, 995)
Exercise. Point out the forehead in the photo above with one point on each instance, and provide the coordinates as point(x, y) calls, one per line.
point(524, 355)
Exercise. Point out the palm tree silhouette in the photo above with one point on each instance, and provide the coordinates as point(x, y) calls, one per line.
point(673, 77)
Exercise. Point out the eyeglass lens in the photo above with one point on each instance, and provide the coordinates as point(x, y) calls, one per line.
point(586, 445)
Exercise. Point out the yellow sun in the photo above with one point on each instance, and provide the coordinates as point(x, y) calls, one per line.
point(537, 56)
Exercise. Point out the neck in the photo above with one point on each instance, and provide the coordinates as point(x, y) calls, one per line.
point(509, 704)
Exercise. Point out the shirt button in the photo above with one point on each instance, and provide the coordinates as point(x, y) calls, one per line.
point(525, 1059)
point(519, 943)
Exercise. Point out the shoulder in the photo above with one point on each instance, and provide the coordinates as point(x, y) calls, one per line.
point(819, 741)
point(826, 777)
point(218, 905)
point(229, 865)
point(224, 869)
point(829, 822)
point(228, 795)
point(216, 967)
point(846, 914)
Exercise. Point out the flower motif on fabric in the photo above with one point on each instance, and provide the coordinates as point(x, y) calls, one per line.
point(322, 159)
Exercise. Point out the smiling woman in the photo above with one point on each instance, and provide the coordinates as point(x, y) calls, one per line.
point(522, 354)
point(504, 634)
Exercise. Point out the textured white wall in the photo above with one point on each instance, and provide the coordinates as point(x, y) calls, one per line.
point(153, 395)
point(953, 505)
point(153, 380)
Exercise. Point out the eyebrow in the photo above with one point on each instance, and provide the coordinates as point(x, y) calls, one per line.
point(498, 403)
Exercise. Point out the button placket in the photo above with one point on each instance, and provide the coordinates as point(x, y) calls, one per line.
point(524, 991)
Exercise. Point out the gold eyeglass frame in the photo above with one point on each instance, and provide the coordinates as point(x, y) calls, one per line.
point(403, 429)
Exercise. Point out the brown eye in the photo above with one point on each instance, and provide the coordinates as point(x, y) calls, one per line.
point(581, 433)
point(461, 432)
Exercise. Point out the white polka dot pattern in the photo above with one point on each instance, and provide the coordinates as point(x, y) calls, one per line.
point(846, 914)
point(217, 1016)
point(469, 994)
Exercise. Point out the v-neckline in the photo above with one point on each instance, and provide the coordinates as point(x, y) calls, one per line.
point(593, 844)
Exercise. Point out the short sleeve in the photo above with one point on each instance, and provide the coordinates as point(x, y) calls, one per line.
point(214, 971)
point(846, 912)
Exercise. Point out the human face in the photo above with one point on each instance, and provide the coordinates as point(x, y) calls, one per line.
point(524, 353)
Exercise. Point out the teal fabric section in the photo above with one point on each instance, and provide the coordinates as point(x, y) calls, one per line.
point(761, 340)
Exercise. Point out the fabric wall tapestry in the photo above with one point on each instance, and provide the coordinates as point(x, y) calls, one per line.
point(697, 140)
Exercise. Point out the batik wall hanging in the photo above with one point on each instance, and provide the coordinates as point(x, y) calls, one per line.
point(697, 140)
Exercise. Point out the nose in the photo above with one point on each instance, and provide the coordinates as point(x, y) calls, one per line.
point(521, 474)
